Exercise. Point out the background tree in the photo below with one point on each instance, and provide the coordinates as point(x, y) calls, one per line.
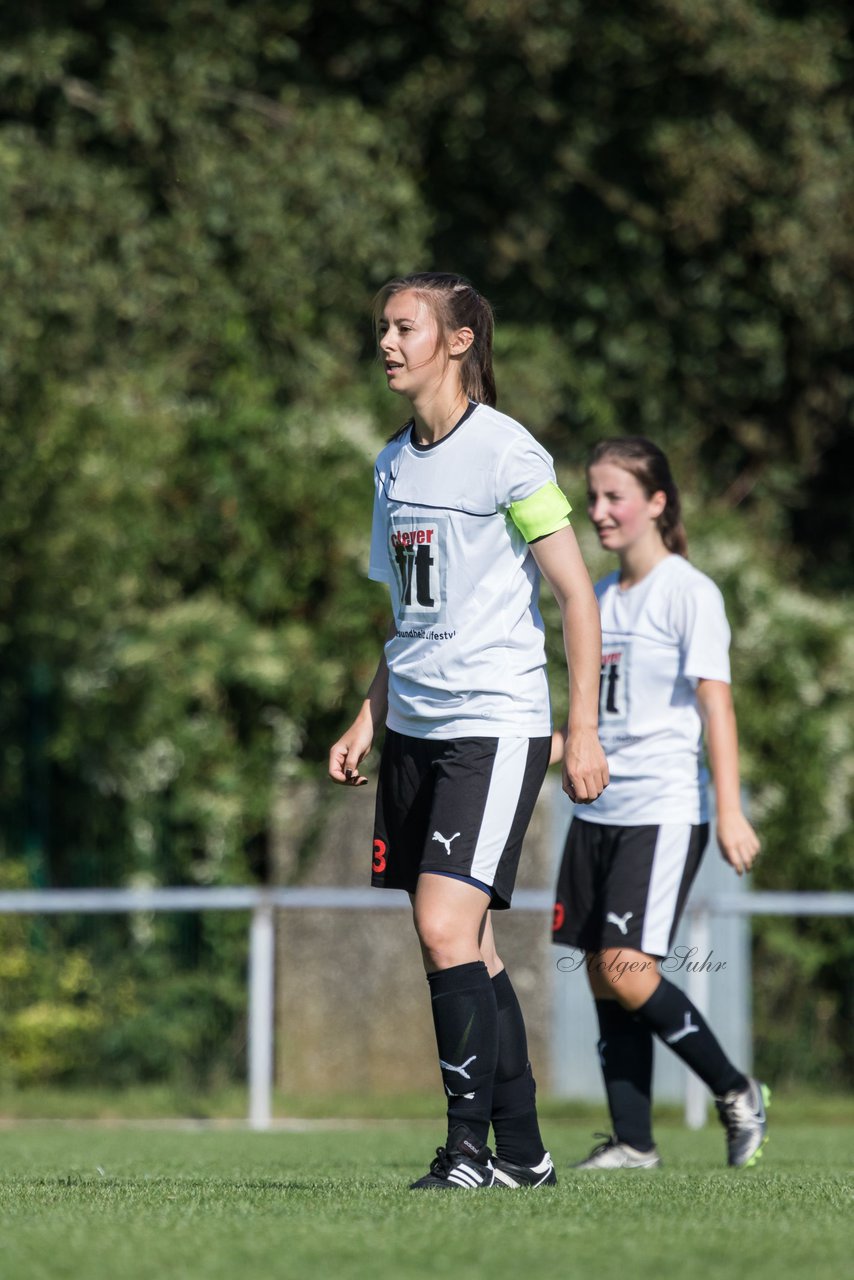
point(198, 201)
point(668, 188)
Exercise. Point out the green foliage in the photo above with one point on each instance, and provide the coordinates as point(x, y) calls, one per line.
point(793, 668)
point(669, 188)
point(110, 1007)
point(177, 409)
point(198, 202)
point(793, 660)
point(48, 1006)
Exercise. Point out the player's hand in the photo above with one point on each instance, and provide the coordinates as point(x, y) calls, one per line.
point(558, 746)
point(349, 751)
point(737, 841)
point(585, 769)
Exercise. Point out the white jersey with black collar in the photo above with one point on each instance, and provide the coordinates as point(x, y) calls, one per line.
point(659, 637)
point(468, 659)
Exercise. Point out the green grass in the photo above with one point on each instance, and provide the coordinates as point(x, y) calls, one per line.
point(106, 1202)
point(164, 1101)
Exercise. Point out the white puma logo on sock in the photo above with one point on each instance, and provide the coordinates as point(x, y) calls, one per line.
point(449, 1066)
point(437, 835)
point(451, 1094)
point(685, 1031)
point(620, 921)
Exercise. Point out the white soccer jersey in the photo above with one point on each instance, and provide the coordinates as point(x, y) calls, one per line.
point(468, 659)
point(659, 638)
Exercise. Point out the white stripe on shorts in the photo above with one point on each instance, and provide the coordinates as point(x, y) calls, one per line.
point(502, 801)
point(668, 867)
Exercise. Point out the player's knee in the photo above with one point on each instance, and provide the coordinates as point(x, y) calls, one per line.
point(629, 977)
point(443, 943)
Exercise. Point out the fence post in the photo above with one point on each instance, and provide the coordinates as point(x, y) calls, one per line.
point(260, 1030)
point(697, 990)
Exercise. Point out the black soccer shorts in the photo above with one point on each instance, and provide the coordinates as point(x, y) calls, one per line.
point(625, 886)
point(459, 806)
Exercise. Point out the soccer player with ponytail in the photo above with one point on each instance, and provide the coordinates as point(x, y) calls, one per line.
point(631, 856)
point(467, 517)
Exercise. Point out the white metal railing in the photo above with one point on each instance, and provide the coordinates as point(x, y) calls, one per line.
point(263, 902)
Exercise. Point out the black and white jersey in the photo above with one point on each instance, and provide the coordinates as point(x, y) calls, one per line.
point(468, 658)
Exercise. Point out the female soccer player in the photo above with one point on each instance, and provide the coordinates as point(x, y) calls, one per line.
point(631, 857)
point(467, 516)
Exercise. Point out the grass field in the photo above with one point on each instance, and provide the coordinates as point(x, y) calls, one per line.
point(125, 1202)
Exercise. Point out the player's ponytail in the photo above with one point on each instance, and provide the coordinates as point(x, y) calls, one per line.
point(649, 466)
point(476, 373)
point(455, 304)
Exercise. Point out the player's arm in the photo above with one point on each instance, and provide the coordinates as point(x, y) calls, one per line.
point(737, 840)
point(351, 748)
point(585, 769)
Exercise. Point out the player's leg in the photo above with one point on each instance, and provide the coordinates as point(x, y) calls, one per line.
point(625, 1057)
point(515, 782)
point(625, 1042)
point(668, 1013)
point(629, 972)
point(449, 920)
point(484, 793)
point(449, 914)
point(520, 1155)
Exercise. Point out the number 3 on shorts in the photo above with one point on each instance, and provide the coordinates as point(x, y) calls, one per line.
point(378, 864)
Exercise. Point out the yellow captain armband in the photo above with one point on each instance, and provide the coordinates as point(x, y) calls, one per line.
point(542, 513)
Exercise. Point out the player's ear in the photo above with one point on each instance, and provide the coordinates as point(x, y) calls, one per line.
point(460, 341)
point(658, 502)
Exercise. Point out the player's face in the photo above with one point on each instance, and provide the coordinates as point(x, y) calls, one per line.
point(619, 508)
point(409, 344)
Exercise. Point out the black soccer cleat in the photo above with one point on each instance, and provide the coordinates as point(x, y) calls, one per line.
point(508, 1174)
point(463, 1163)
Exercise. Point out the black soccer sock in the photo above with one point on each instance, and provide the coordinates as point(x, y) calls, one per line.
point(466, 1022)
point(682, 1027)
point(514, 1107)
point(625, 1055)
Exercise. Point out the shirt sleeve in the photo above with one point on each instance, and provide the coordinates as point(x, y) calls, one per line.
point(704, 633)
point(524, 468)
point(379, 567)
point(526, 488)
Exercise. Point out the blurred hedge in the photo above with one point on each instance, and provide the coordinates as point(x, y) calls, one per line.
point(199, 200)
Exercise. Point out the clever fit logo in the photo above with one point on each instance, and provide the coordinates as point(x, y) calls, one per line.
point(415, 553)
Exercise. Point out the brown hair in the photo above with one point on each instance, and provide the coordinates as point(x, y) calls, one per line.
point(649, 466)
point(455, 304)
